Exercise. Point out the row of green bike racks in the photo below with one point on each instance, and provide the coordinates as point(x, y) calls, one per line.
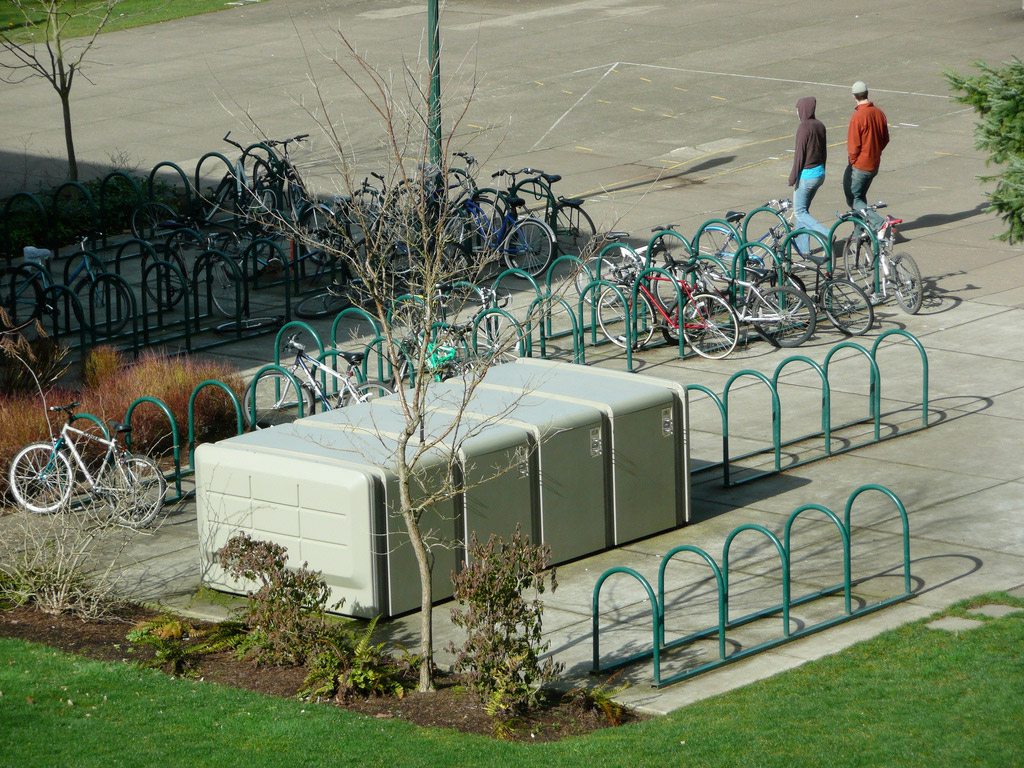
point(657, 599)
point(827, 430)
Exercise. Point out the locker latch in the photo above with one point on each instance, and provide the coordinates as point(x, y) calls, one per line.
point(596, 444)
point(668, 424)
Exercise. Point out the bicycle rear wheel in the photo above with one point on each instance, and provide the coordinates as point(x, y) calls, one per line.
point(24, 300)
point(616, 320)
point(574, 229)
point(139, 489)
point(324, 304)
point(41, 478)
point(275, 401)
point(716, 240)
point(364, 392)
point(529, 246)
point(149, 219)
point(847, 307)
point(906, 281)
point(858, 260)
point(709, 325)
point(781, 315)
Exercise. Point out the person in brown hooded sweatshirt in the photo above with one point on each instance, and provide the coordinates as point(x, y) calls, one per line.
point(808, 172)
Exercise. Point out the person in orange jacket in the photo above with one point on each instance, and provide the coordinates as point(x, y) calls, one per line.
point(866, 137)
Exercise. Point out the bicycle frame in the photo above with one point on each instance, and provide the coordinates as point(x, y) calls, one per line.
point(66, 442)
point(304, 362)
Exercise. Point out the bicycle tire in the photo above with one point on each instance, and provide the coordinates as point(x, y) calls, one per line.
point(574, 229)
point(665, 289)
point(612, 317)
point(147, 219)
point(364, 392)
point(709, 325)
point(782, 315)
point(847, 307)
point(139, 491)
point(275, 399)
point(224, 289)
point(108, 304)
point(322, 305)
point(715, 240)
point(250, 324)
point(528, 246)
point(170, 285)
point(858, 261)
point(41, 478)
point(906, 282)
point(24, 302)
point(262, 199)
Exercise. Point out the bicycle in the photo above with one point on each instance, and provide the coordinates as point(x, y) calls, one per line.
point(843, 303)
point(32, 286)
point(491, 223)
point(271, 397)
point(708, 322)
point(43, 474)
point(890, 274)
point(276, 181)
point(574, 229)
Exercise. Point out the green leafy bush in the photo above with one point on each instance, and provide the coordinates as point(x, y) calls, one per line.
point(501, 654)
point(286, 615)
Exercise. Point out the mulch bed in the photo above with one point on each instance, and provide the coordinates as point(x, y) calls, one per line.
point(451, 706)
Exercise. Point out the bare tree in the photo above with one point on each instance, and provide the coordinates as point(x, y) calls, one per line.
point(44, 45)
point(404, 255)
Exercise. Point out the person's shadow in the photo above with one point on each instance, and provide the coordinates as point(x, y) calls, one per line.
point(938, 219)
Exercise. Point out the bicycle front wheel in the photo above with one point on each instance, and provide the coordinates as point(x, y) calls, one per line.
point(906, 281)
point(574, 229)
point(41, 478)
point(275, 401)
point(847, 307)
point(140, 490)
point(710, 326)
point(781, 315)
point(326, 304)
point(616, 320)
point(529, 247)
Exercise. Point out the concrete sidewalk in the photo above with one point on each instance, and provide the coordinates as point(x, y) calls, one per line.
point(657, 114)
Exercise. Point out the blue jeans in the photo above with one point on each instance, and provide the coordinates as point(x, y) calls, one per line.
point(855, 186)
point(803, 194)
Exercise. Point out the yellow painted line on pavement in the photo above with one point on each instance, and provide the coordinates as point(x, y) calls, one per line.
point(680, 89)
point(720, 98)
point(585, 149)
point(637, 109)
point(565, 91)
point(948, 154)
point(931, 187)
point(672, 116)
point(478, 127)
point(538, 82)
point(602, 101)
point(646, 80)
point(745, 130)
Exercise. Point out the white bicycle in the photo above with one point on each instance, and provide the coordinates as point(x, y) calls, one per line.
point(44, 474)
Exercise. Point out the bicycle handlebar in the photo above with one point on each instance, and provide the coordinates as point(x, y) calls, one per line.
point(69, 409)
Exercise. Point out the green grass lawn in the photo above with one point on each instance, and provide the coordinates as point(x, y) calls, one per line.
point(909, 697)
point(127, 14)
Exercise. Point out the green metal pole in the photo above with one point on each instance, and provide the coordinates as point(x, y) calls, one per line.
point(434, 99)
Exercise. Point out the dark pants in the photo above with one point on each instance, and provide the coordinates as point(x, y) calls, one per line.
point(855, 186)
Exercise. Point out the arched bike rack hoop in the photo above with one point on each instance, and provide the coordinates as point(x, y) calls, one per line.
point(658, 602)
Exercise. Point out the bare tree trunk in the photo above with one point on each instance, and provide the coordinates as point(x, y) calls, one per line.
point(426, 614)
point(65, 105)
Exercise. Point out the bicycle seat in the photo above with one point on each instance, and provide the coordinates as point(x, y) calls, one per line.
point(516, 202)
point(119, 428)
point(572, 200)
point(353, 358)
point(893, 220)
point(551, 178)
point(819, 260)
point(734, 216)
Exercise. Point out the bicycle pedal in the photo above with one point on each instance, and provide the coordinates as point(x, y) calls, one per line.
point(874, 299)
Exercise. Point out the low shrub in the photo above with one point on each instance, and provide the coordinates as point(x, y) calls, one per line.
point(501, 654)
point(286, 615)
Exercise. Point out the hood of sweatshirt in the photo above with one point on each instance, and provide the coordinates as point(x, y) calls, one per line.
point(805, 107)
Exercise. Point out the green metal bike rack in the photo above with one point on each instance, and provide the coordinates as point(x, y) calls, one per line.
point(764, 209)
point(733, 232)
point(828, 429)
point(305, 328)
point(111, 181)
point(239, 424)
point(776, 426)
point(352, 312)
point(721, 574)
point(175, 441)
point(25, 205)
point(277, 391)
point(159, 275)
